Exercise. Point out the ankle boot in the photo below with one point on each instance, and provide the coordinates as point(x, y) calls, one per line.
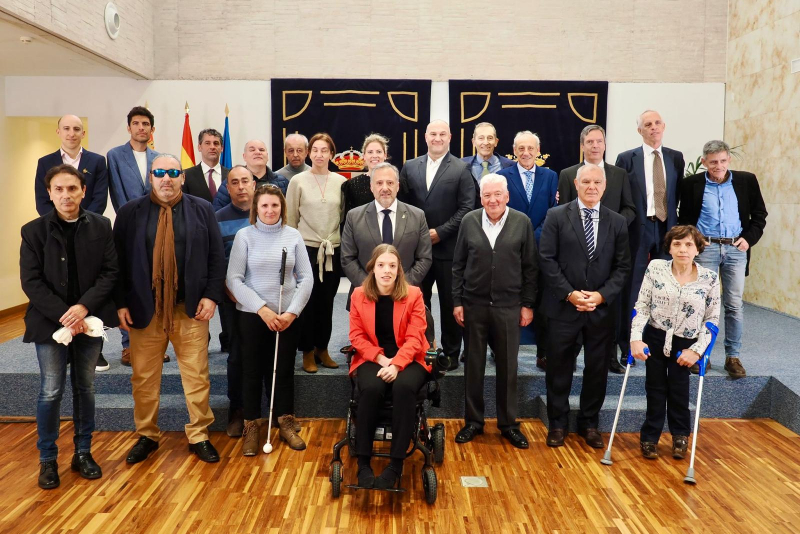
point(324, 358)
point(309, 365)
point(250, 438)
point(287, 433)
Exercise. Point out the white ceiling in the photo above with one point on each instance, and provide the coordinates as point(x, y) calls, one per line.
point(47, 55)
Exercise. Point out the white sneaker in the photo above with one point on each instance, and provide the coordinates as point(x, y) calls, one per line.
point(102, 364)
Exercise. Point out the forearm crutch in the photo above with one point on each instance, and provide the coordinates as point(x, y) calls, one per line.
point(268, 444)
point(606, 460)
point(689, 478)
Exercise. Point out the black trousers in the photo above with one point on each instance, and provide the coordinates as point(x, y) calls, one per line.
point(667, 387)
point(229, 317)
point(502, 325)
point(257, 343)
point(316, 319)
point(441, 272)
point(597, 343)
point(372, 392)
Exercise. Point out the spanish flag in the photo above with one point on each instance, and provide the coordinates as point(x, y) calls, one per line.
point(187, 147)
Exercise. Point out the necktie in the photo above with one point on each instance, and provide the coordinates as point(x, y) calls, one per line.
point(485, 171)
point(528, 184)
point(659, 188)
point(386, 229)
point(588, 230)
point(212, 187)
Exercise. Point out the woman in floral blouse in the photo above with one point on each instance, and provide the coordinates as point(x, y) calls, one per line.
point(676, 300)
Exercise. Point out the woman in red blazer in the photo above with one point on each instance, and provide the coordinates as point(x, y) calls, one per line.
point(387, 331)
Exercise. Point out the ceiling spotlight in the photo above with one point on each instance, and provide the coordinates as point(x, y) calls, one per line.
point(25, 39)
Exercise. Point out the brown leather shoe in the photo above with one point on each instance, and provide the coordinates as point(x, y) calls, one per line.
point(324, 358)
point(126, 357)
point(680, 444)
point(734, 368)
point(250, 439)
point(235, 426)
point(309, 365)
point(555, 438)
point(287, 433)
point(649, 450)
point(296, 424)
point(592, 438)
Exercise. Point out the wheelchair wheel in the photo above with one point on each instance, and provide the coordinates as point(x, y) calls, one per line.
point(336, 479)
point(429, 484)
point(437, 436)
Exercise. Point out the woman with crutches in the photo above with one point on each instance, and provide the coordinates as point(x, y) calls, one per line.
point(676, 300)
point(254, 278)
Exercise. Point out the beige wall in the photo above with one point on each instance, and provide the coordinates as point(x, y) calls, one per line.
point(83, 23)
point(615, 40)
point(763, 114)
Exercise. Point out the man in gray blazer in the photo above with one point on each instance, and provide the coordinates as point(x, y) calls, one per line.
point(386, 220)
point(129, 164)
point(442, 186)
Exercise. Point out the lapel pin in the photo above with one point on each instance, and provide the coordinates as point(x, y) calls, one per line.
point(85, 171)
point(404, 216)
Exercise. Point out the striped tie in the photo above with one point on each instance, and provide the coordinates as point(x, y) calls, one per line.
point(528, 184)
point(588, 230)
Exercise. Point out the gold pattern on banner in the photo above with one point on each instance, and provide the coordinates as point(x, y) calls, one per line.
point(298, 92)
point(529, 93)
point(354, 104)
point(488, 96)
point(392, 94)
point(575, 111)
point(349, 92)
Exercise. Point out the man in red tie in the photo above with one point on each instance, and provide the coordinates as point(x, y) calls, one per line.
point(203, 180)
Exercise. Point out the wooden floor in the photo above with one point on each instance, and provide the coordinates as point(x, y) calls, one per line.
point(747, 471)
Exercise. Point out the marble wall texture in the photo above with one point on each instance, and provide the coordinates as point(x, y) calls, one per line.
point(762, 113)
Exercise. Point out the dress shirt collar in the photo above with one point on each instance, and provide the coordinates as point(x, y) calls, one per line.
point(392, 208)
point(728, 179)
point(493, 159)
point(601, 164)
point(522, 170)
point(648, 150)
point(435, 162)
point(205, 167)
point(583, 206)
point(501, 222)
point(69, 160)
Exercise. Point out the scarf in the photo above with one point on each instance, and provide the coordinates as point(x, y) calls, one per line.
point(165, 266)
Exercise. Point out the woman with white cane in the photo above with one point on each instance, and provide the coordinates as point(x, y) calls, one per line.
point(262, 279)
point(676, 300)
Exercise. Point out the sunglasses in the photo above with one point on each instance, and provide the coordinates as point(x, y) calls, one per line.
point(159, 173)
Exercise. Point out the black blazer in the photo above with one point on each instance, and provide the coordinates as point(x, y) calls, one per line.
point(43, 272)
point(452, 195)
point(205, 258)
point(752, 209)
point(617, 197)
point(564, 262)
point(94, 170)
point(196, 183)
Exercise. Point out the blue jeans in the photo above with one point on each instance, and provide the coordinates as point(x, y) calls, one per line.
point(53, 368)
point(730, 263)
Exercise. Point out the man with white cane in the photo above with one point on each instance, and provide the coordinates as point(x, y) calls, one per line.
point(68, 269)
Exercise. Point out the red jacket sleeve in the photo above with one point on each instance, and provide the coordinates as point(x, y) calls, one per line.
point(414, 345)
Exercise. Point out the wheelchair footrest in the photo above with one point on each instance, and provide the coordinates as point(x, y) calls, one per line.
point(391, 490)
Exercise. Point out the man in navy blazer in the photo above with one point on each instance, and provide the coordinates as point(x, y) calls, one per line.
point(485, 161)
point(129, 164)
point(656, 206)
point(92, 166)
point(543, 185)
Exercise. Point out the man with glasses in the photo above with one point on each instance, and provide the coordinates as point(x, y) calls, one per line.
point(172, 269)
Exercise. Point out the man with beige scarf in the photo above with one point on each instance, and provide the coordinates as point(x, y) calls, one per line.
point(171, 280)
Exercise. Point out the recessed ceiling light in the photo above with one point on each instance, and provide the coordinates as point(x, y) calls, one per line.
point(25, 39)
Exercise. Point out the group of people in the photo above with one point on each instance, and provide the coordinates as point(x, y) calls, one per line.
point(508, 243)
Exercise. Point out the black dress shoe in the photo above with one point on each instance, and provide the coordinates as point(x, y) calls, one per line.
point(615, 367)
point(453, 363)
point(388, 478)
point(468, 433)
point(366, 477)
point(205, 451)
point(83, 462)
point(143, 448)
point(592, 438)
point(516, 438)
point(541, 363)
point(555, 438)
point(48, 475)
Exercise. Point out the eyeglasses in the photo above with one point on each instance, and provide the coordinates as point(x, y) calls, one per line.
point(159, 173)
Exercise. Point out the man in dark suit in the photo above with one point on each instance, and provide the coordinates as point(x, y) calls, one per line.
point(532, 190)
point(440, 185)
point(92, 166)
point(617, 196)
point(485, 161)
point(494, 288)
point(585, 258)
point(370, 225)
point(205, 178)
point(655, 173)
point(172, 272)
point(727, 207)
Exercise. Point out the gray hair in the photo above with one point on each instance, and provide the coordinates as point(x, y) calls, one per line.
point(164, 155)
point(526, 132)
point(712, 147)
point(385, 165)
point(639, 118)
point(300, 136)
point(592, 127)
point(484, 125)
point(586, 167)
point(494, 179)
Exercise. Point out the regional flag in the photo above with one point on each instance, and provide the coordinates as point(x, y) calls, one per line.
point(226, 160)
point(187, 147)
